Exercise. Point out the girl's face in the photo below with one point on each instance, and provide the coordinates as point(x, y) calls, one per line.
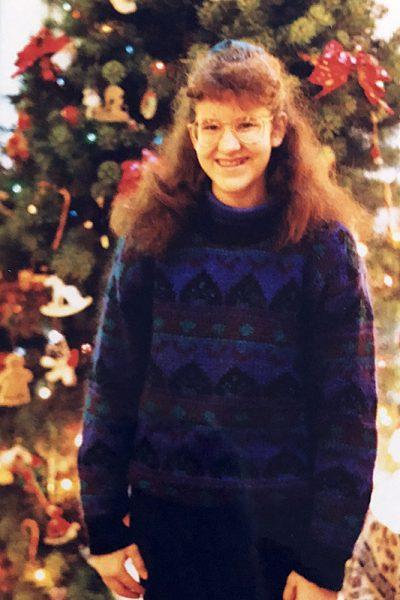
point(234, 160)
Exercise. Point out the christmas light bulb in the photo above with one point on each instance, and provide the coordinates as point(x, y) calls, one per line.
point(60, 81)
point(388, 280)
point(20, 351)
point(88, 224)
point(78, 440)
point(160, 66)
point(66, 484)
point(32, 209)
point(362, 249)
point(129, 49)
point(91, 137)
point(381, 363)
point(55, 336)
point(16, 188)
point(44, 393)
point(40, 574)
point(158, 139)
point(105, 242)
point(66, 6)
point(106, 28)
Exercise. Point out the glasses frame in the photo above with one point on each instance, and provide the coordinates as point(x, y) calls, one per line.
point(192, 127)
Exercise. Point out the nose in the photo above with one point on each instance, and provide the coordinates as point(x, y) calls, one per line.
point(228, 141)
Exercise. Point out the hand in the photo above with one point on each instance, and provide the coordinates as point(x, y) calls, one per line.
point(111, 569)
point(299, 588)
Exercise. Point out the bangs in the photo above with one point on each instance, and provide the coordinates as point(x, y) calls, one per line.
point(238, 71)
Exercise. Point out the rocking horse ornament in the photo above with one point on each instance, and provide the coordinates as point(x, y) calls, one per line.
point(125, 7)
point(66, 301)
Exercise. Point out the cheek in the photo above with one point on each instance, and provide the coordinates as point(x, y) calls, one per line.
point(206, 162)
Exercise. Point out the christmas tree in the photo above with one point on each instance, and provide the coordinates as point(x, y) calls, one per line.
point(96, 85)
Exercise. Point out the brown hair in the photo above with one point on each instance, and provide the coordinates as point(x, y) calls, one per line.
point(300, 168)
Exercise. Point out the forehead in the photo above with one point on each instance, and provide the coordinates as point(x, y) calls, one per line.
point(229, 107)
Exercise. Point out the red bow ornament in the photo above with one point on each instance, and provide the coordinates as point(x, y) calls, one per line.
point(40, 48)
point(334, 65)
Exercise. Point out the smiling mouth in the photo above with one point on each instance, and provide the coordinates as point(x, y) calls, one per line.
point(231, 163)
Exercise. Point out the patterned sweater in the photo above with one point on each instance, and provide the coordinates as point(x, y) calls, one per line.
point(229, 369)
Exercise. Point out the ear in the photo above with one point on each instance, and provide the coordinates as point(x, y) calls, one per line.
point(190, 127)
point(279, 129)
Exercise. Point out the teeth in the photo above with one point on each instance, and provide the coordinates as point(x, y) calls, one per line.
point(231, 163)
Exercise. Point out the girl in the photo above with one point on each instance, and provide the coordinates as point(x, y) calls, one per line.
point(233, 384)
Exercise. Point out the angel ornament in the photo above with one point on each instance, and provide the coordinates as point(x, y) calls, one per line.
point(66, 301)
point(14, 380)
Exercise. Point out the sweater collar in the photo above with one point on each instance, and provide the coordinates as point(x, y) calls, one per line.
point(235, 225)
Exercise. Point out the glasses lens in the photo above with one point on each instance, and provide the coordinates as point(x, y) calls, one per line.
point(248, 131)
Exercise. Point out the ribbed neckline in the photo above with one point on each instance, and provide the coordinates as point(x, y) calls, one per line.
point(222, 223)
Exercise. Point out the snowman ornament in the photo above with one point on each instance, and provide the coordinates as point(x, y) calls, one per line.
point(61, 362)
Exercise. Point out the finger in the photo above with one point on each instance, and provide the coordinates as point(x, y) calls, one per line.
point(119, 588)
point(129, 582)
point(134, 553)
point(289, 593)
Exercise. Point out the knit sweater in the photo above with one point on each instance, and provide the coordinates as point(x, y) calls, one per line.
point(230, 369)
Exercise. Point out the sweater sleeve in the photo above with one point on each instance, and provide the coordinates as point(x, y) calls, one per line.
point(343, 402)
point(110, 409)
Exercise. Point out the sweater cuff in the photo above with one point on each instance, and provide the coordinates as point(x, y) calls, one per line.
point(321, 566)
point(107, 535)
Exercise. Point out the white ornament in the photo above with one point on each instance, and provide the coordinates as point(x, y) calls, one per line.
point(92, 101)
point(67, 299)
point(124, 7)
point(61, 364)
point(64, 57)
point(386, 219)
point(7, 457)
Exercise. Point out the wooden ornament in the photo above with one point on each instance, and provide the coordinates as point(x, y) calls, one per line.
point(14, 380)
point(113, 110)
point(148, 104)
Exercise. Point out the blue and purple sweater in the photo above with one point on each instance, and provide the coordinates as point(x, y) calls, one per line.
point(229, 369)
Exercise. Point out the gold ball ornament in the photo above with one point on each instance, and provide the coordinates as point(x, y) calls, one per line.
point(125, 7)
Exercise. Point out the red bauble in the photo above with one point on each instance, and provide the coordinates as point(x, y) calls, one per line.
point(24, 121)
point(17, 146)
point(130, 176)
point(71, 114)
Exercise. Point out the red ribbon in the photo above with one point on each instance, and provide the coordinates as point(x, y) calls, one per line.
point(334, 65)
point(40, 47)
point(63, 218)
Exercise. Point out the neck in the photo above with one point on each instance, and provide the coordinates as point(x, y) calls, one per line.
point(243, 198)
point(241, 224)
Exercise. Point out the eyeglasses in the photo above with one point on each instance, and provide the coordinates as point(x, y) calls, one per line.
point(248, 130)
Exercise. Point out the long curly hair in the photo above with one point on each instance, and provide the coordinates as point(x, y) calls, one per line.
point(157, 212)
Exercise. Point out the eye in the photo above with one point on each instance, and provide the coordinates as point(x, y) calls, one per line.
point(210, 126)
point(246, 125)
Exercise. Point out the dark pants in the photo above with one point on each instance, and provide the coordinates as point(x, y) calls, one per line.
point(204, 553)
